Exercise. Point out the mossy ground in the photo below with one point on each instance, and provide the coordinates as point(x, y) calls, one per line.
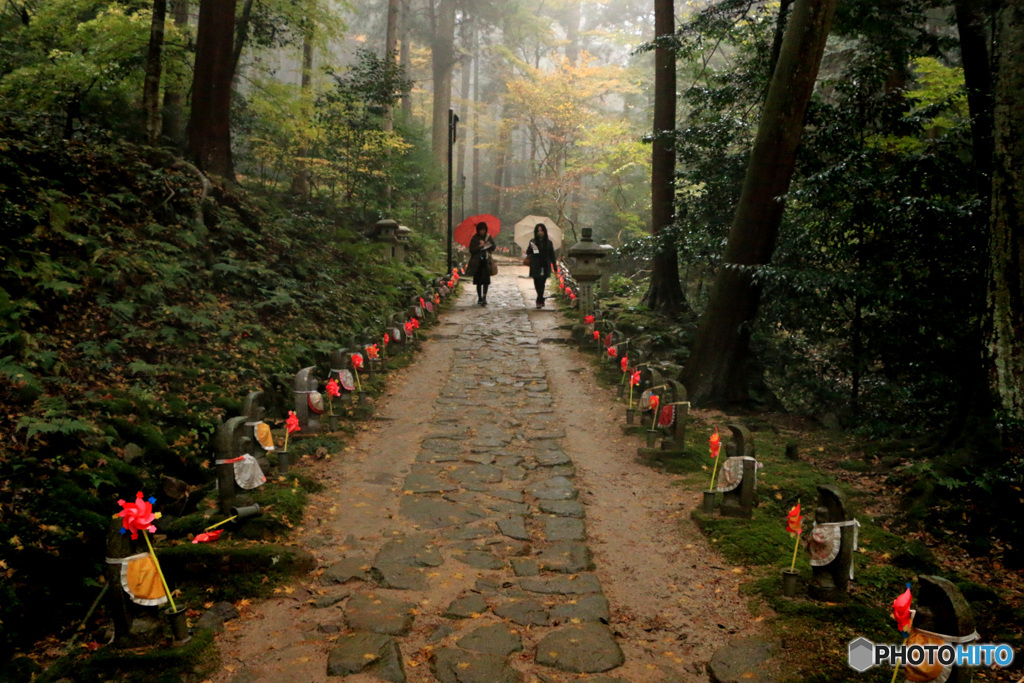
point(815, 635)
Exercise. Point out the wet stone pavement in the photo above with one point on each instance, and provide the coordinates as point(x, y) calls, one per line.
point(491, 495)
point(454, 542)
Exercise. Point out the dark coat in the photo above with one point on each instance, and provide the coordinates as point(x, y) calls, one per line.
point(542, 255)
point(479, 266)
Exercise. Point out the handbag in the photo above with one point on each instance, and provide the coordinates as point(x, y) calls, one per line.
point(526, 260)
point(494, 267)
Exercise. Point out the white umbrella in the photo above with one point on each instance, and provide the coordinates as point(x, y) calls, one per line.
point(524, 231)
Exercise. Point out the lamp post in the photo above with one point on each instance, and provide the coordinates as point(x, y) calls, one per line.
point(453, 123)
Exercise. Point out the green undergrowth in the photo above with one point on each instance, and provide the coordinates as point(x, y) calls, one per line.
point(134, 317)
point(817, 633)
point(194, 661)
point(814, 635)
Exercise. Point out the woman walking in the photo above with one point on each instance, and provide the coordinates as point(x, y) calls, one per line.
point(480, 248)
point(541, 253)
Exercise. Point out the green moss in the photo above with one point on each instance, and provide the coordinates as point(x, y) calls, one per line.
point(191, 662)
point(855, 465)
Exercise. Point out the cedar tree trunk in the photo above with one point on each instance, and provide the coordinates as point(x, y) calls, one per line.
point(1006, 234)
point(718, 370)
point(665, 294)
point(209, 126)
point(154, 66)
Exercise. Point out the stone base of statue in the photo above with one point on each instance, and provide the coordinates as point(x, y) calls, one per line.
point(789, 579)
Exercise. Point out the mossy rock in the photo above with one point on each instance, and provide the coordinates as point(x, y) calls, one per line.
point(191, 661)
point(855, 465)
point(214, 562)
point(916, 556)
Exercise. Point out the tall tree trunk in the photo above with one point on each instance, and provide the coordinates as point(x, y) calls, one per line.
point(173, 118)
point(442, 56)
point(780, 32)
point(475, 209)
point(718, 369)
point(241, 35)
point(572, 32)
point(390, 47)
point(504, 140)
point(209, 126)
point(154, 67)
point(300, 181)
point(665, 294)
point(971, 17)
point(405, 60)
point(1006, 234)
point(467, 115)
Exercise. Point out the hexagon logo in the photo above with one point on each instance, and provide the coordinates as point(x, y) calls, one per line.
point(860, 656)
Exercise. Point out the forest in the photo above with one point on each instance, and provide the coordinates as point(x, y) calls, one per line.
point(817, 205)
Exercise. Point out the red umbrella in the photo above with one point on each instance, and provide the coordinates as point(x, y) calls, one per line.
point(467, 228)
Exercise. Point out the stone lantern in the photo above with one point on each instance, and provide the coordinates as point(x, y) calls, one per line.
point(587, 255)
point(394, 236)
point(401, 239)
point(606, 268)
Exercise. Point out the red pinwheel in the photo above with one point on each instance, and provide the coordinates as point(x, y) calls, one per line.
point(901, 610)
point(654, 403)
point(387, 339)
point(357, 361)
point(612, 352)
point(408, 327)
point(597, 335)
point(208, 536)
point(372, 351)
point(624, 363)
point(137, 515)
point(715, 443)
point(589, 319)
point(455, 271)
point(634, 379)
point(794, 520)
point(292, 423)
point(423, 304)
point(332, 388)
point(415, 323)
point(608, 339)
point(437, 299)
point(462, 270)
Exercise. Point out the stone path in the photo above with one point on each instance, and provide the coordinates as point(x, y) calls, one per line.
point(453, 538)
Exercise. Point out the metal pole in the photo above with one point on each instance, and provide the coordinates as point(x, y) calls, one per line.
point(451, 141)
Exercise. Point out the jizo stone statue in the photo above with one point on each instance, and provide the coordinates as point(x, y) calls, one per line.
point(831, 546)
point(942, 617)
point(737, 479)
point(308, 402)
point(254, 410)
point(233, 440)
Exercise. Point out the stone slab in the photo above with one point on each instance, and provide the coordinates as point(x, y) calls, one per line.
point(378, 614)
point(564, 529)
point(562, 585)
point(454, 665)
point(373, 653)
point(436, 514)
point(590, 607)
point(741, 660)
point(523, 612)
point(563, 508)
point(496, 639)
point(586, 648)
point(466, 607)
point(566, 557)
